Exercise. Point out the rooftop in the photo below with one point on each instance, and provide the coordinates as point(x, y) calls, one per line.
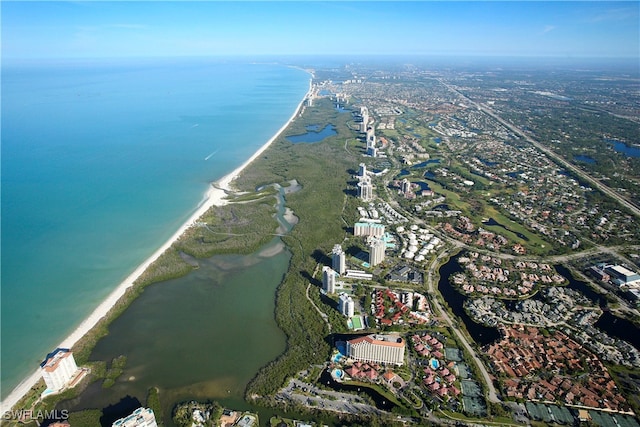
point(378, 339)
point(51, 362)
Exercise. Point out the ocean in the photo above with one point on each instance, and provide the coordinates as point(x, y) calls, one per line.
point(101, 163)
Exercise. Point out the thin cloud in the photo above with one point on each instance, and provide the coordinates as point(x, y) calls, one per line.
point(548, 29)
point(614, 15)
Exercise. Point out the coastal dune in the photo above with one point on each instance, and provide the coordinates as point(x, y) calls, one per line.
point(216, 196)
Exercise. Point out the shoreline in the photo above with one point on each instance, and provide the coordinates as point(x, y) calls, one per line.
point(215, 196)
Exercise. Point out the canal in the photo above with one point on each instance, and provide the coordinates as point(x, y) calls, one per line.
point(481, 334)
point(609, 323)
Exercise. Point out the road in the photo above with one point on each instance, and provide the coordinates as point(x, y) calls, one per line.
point(580, 173)
point(444, 315)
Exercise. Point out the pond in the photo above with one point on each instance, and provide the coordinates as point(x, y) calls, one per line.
point(621, 147)
point(423, 185)
point(584, 159)
point(313, 134)
point(426, 163)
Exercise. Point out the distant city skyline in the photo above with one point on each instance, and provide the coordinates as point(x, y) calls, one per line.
point(154, 29)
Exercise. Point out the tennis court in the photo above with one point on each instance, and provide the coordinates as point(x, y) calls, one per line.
point(474, 406)
point(463, 371)
point(612, 420)
point(470, 388)
point(561, 414)
point(453, 354)
point(356, 323)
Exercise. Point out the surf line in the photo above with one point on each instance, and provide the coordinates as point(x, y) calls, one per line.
point(210, 155)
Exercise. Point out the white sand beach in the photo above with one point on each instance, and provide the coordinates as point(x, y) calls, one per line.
point(216, 196)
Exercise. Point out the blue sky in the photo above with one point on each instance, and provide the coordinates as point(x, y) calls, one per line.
point(143, 28)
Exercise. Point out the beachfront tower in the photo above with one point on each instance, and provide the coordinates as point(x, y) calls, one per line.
point(346, 305)
point(371, 138)
point(376, 250)
point(362, 171)
point(338, 260)
point(58, 368)
point(328, 280)
point(365, 190)
point(364, 112)
point(141, 417)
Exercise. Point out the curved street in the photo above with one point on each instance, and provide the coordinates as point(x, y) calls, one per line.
point(444, 315)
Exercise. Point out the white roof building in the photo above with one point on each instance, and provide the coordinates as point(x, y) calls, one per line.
point(376, 250)
point(338, 260)
point(377, 348)
point(141, 417)
point(346, 305)
point(58, 368)
point(328, 280)
point(622, 275)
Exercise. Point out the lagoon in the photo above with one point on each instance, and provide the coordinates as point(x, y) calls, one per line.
point(106, 161)
point(202, 336)
point(314, 134)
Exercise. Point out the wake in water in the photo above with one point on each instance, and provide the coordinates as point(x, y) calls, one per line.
point(211, 155)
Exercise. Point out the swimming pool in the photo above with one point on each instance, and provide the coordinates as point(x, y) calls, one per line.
point(337, 374)
point(434, 363)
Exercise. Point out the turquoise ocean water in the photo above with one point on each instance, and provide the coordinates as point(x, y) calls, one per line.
point(101, 164)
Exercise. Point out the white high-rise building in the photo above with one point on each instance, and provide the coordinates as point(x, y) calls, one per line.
point(362, 171)
point(346, 305)
point(377, 348)
point(368, 229)
point(365, 119)
point(338, 260)
point(141, 417)
point(58, 368)
point(376, 250)
point(365, 190)
point(328, 280)
point(371, 139)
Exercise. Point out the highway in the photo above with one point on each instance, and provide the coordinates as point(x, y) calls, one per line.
point(580, 173)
